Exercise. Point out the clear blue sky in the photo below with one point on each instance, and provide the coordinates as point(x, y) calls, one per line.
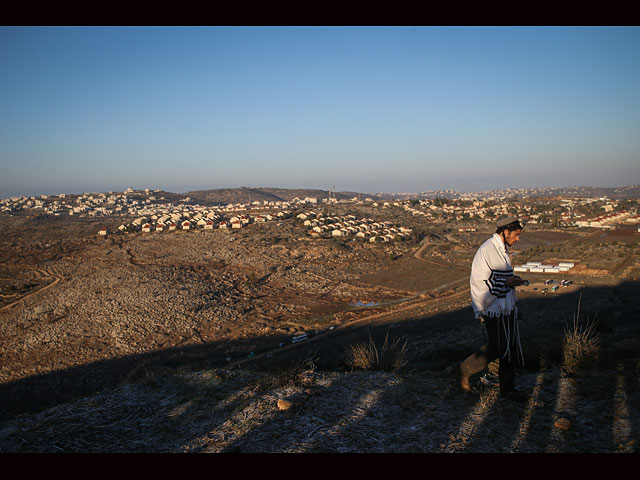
point(366, 109)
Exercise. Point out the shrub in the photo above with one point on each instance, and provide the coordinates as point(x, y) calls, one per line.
point(581, 343)
point(392, 357)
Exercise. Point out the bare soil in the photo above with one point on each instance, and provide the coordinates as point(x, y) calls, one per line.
point(181, 342)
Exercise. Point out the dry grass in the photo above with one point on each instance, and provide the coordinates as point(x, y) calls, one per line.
point(391, 357)
point(581, 343)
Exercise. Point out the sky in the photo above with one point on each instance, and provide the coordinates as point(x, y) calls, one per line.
point(364, 109)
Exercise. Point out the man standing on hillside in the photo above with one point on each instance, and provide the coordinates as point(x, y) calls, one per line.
point(493, 299)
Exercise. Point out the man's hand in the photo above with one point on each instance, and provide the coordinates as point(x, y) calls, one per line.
point(514, 281)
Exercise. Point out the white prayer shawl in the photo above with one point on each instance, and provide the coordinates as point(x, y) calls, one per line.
point(490, 296)
point(490, 269)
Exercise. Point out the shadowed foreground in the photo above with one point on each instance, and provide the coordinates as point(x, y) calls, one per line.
point(198, 408)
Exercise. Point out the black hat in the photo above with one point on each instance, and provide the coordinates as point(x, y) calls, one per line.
point(508, 221)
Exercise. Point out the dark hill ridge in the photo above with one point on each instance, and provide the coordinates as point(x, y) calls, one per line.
point(249, 194)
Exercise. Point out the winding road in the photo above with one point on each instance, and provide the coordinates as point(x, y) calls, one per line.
point(42, 273)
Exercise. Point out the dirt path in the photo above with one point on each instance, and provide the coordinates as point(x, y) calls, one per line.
point(418, 255)
point(42, 273)
point(445, 286)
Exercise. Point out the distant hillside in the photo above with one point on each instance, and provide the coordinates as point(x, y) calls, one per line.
point(224, 196)
point(618, 193)
point(632, 191)
point(246, 194)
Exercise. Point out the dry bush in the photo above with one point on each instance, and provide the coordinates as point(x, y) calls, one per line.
point(581, 343)
point(392, 357)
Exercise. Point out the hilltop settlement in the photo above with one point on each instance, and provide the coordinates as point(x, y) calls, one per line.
point(153, 211)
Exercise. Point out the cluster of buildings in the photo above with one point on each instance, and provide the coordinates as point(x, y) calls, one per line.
point(51, 205)
point(477, 209)
point(146, 204)
point(609, 220)
point(130, 203)
point(566, 212)
point(87, 204)
point(366, 229)
point(539, 267)
point(195, 219)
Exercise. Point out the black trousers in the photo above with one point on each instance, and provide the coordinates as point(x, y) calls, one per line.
point(502, 345)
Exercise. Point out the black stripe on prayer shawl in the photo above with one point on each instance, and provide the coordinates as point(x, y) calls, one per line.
point(496, 282)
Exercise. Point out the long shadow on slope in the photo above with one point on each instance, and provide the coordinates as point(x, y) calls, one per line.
point(440, 340)
point(434, 342)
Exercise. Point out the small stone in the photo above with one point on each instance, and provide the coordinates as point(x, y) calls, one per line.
point(563, 423)
point(285, 404)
